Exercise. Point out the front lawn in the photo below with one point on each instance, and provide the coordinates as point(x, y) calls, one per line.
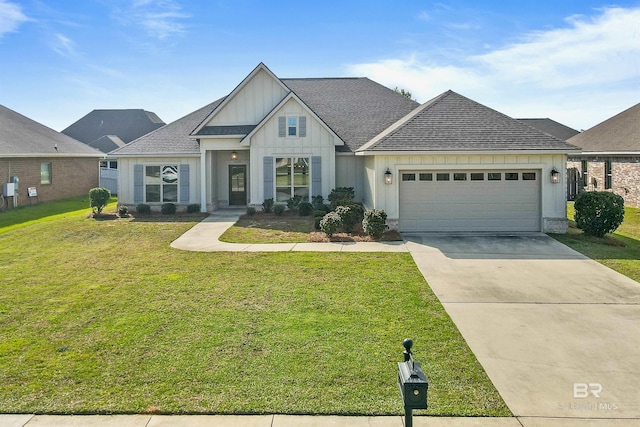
point(104, 317)
point(619, 251)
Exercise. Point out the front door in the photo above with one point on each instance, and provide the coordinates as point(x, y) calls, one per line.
point(237, 185)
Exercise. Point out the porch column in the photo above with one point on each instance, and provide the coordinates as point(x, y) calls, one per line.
point(203, 181)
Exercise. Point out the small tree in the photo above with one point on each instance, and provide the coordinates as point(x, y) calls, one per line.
point(99, 197)
point(598, 212)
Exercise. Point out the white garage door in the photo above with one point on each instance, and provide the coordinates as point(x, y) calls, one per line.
point(500, 201)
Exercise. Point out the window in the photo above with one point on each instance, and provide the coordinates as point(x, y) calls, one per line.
point(459, 176)
point(511, 176)
point(292, 126)
point(45, 173)
point(408, 176)
point(477, 176)
point(161, 184)
point(607, 174)
point(528, 176)
point(292, 178)
point(426, 177)
point(442, 177)
point(109, 164)
point(494, 176)
point(585, 173)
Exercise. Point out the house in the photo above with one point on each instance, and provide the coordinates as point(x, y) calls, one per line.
point(48, 165)
point(450, 164)
point(562, 132)
point(107, 130)
point(610, 158)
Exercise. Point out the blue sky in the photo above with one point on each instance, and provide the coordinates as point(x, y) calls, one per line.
point(575, 61)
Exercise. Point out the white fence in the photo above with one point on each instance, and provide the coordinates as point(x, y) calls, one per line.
point(109, 179)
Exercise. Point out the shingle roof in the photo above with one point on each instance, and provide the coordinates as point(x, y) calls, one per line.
point(619, 133)
point(551, 127)
point(107, 143)
point(451, 122)
point(226, 130)
point(356, 109)
point(172, 138)
point(127, 124)
point(20, 135)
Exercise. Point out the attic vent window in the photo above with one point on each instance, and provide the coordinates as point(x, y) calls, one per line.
point(292, 126)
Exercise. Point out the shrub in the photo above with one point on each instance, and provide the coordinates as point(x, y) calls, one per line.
point(267, 205)
point(143, 209)
point(325, 209)
point(341, 196)
point(316, 222)
point(294, 202)
point(251, 211)
point(168, 209)
point(598, 212)
point(278, 209)
point(193, 208)
point(317, 201)
point(330, 223)
point(350, 215)
point(320, 213)
point(375, 222)
point(99, 197)
point(123, 211)
point(305, 208)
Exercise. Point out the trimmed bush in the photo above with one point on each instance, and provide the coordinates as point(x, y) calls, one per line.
point(267, 205)
point(168, 209)
point(251, 211)
point(317, 201)
point(341, 196)
point(193, 208)
point(375, 223)
point(123, 211)
point(316, 222)
point(305, 208)
point(143, 209)
point(325, 209)
point(278, 209)
point(99, 197)
point(294, 202)
point(350, 215)
point(330, 223)
point(598, 212)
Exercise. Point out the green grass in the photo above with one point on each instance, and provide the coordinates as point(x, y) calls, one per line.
point(619, 251)
point(269, 228)
point(104, 317)
point(23, 216)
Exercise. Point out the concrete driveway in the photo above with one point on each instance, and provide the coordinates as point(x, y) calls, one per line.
point(557, 333)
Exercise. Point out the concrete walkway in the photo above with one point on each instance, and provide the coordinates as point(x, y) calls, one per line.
point(557, 333)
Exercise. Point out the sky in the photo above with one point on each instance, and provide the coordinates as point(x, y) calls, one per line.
point(574, 61)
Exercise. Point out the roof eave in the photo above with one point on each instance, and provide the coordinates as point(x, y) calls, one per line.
point(456, 152)
point(163, 154)
point(55, 155)
point(610, 153)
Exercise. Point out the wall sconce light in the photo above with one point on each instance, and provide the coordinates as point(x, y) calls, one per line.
point(555, 176)
point(234, 155)
point(388, 177)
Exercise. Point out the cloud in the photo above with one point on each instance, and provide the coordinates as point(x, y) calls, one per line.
point(160, 18)
point(63, 45)
point(583, 73)
point(11, 17)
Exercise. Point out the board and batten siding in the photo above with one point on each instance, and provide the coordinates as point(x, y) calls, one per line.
point(386, 196)
point(126, 177)
point(254, 101)
point(267, 143)
point(349, 173)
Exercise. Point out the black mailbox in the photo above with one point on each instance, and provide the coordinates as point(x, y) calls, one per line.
point(412, 381)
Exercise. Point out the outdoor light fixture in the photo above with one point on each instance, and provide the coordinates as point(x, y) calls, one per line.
point(555, 176)
point(234, 155)
point(388, 177)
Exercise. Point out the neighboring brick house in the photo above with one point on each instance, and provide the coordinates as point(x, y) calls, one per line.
point(610, 158)
point(53, 164)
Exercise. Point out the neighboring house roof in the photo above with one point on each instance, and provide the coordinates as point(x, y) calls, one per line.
point(620, 133)
point(356, 109)
point(107, 143)
point(21, 136)
point(452, 122)
point(551, 127)
point(125, 124)
point(172, 138)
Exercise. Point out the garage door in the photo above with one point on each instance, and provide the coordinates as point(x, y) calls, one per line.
point(500, 201)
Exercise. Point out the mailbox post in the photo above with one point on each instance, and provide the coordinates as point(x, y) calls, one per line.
point(413, 384)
